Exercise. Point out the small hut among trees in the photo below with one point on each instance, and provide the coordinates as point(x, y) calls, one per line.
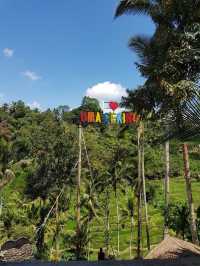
point(174, 248)
point(19, 250)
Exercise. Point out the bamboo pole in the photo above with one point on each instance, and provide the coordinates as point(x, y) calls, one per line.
point(144, 189)
point(193, 227)
point(166, 181)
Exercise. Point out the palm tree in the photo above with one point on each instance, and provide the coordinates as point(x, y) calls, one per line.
point(144, 190)
point(166, 188)
point(90, 203)
point(160, 55)
point(169, 60)
point(106, 206)
point(78, 195)
point(139, 194)
point(193, 226)
point(116, 180)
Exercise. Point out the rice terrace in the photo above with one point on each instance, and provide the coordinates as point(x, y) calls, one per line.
point(93, 172)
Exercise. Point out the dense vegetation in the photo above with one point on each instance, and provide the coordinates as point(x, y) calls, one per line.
point(39, 152)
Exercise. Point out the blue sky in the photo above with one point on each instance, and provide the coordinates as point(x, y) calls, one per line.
point(54, 52)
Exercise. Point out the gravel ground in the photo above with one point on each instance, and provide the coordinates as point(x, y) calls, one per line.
point(181, 262)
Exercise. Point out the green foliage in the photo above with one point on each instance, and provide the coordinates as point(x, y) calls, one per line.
point(130, 208)
point(169, 59)
point(41, 149)
point(178, 219)
point(78, 243)
point(90, 104)
point(53, 165)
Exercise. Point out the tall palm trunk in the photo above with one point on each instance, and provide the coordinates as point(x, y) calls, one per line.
point(131, 237)
point(139, 237)
point(193, 226)
point(139, 197)
point(166, 229)
point(144, 190)
point(107, 225)
point(118, 222)
point(78, 198)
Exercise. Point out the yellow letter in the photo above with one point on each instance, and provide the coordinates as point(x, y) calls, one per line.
point(113, 118)
point(124, 118)
point(98, 118)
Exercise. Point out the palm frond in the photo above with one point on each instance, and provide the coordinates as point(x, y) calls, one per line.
point(187, 126)
point(141, 100)
point(141, 45)
point(133, 7)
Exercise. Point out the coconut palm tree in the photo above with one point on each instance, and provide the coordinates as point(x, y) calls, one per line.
point(116, 182)
point(171, 55)
point(90, 203)
point(170, 59)
point(144, 189)
point(193, 225)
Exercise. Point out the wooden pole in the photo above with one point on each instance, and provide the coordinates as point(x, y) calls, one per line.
point(193, 227)
point(166, 229)
point(139, 198)
point(144, 190)
point(78, 198)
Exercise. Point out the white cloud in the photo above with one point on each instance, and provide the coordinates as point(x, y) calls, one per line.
point(34, 105)
point(31, 75)
point(106, 91)
point(8, 52)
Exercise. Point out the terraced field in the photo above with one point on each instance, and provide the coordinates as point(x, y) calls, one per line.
point(177, 187)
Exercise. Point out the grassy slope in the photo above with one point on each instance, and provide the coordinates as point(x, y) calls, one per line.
point(13, 195)
point(178, 193)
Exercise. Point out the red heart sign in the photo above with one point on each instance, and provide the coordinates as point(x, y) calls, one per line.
point(113, 105)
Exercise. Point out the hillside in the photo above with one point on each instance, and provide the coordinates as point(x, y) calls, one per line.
point(41, 150)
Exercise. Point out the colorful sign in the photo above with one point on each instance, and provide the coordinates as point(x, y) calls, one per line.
point(109, 118)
